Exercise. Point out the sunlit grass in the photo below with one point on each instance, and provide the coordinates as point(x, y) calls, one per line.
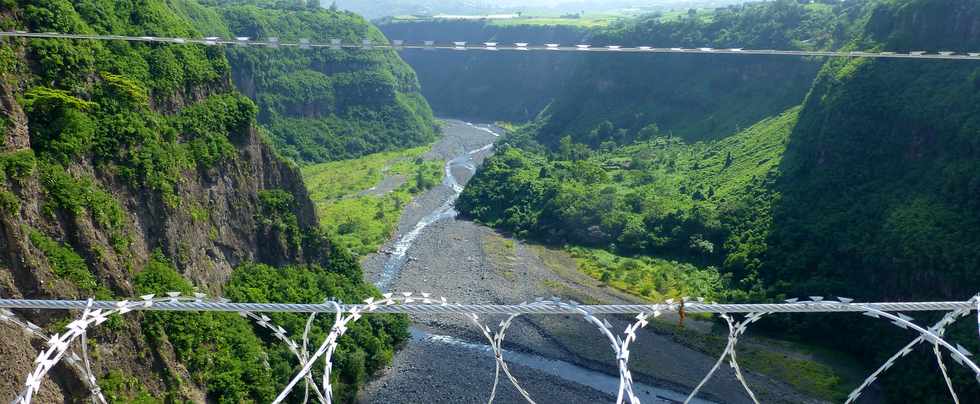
point(583, 22)
point(363, 222)
point(811, 370)
point(648, 277)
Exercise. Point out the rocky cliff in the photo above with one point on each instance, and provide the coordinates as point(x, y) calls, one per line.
point(123, 164)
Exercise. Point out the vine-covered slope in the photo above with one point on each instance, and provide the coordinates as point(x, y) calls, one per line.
point(134, 168)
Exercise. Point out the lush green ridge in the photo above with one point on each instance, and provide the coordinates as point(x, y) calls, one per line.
point(868, 189)
point(695, 97)
point(664, 197)
point(880, 184)
point(110, 147)
point(326, 104)
point(360, 219)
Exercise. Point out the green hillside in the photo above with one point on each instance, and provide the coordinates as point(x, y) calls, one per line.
point(324, 105)
point(661, 197)
point(868, 188)
point(132, 168)
point(691, 96)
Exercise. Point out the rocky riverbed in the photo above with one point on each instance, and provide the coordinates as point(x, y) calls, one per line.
point(466, 262)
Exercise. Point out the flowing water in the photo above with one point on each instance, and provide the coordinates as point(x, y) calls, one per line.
point(396, 259)
point(577, 374)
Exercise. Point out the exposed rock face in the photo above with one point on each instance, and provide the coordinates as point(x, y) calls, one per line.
point(218, 224)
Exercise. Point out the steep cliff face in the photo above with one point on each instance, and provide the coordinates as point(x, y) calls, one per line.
point(880, 177)
point(880, 185)
point(870, 188)
point(695, 97)
point(326, 104)
point(485, 86)
point(123, 164)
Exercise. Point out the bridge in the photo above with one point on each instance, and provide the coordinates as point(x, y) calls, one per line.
point(70, 345)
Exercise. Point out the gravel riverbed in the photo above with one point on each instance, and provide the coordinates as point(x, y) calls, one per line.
point(466, 262)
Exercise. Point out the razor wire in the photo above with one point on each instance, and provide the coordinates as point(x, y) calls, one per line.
point(95, 313)
point(35, 332)
point(791, 306)
point(337, 44)
point(61, 343)
point(735, 329)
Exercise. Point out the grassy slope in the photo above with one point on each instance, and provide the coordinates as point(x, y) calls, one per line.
point(363, 223)
point(584, 22)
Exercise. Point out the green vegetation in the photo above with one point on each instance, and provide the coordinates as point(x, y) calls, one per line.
point(8, 61)
point(144, 121)
point(120, 388)
point(652, 278)
point(15, 166)
point(359, 219)
point(276, 211)
point(695, 203)
point(220, 349)
point(867, 189)
point(77, 196)
point(227, 354)
point(328, 104)
point(366, 347)
point(67, 264)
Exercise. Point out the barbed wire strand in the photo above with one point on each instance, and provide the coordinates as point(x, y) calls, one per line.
point(959, 354)
point(734, 331)
point(948, 319)
point(93, 315)
point(337, 44)
point(496, 342)
point(942, 368)
point(801, 307)
point(74, 361)
point(97, 395)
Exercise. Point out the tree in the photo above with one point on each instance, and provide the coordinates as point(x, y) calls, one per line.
point(648, 132)
point(569, 150)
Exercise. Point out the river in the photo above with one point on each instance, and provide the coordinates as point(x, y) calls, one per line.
point(556, 358)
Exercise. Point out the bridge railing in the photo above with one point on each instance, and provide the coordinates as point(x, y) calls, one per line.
point(738, 317)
